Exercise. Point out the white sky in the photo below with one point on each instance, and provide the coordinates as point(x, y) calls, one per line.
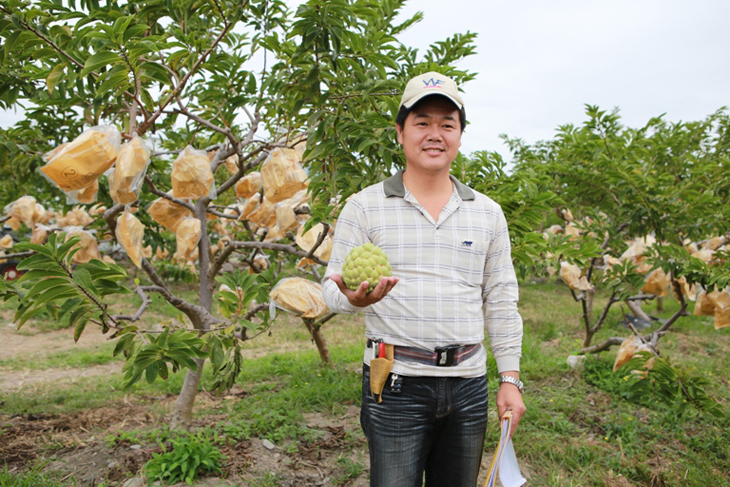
point(539, 62)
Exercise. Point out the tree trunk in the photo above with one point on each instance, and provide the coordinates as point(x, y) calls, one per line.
point(316, 331)
point(182, 416)
point(660, 304)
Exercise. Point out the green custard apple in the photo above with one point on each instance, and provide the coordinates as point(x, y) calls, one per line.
point(368, 263)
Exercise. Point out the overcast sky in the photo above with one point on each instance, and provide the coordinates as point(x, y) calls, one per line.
point(539, 62)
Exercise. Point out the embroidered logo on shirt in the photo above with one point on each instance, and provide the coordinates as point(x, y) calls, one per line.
point(466, 243)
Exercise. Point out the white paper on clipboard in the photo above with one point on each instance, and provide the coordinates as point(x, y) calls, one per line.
point(504, 462)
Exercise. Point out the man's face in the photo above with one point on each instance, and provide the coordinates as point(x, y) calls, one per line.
point(431, 135)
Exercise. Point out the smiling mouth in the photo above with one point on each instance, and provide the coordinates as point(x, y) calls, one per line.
point(433, 149)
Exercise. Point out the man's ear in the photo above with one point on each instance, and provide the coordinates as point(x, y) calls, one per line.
point(399, 131)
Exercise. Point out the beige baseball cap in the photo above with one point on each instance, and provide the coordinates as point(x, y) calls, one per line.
point(431, 83)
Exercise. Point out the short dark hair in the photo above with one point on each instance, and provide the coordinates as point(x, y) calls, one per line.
point(400, 119)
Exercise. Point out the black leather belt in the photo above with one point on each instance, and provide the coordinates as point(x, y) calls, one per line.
point(440, 357)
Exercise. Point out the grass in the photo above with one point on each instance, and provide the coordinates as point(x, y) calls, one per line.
point(578, 430)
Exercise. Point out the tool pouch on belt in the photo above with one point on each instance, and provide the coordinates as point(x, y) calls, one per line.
point(379, 370)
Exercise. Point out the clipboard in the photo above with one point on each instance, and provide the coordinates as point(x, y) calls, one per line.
point(504, 462)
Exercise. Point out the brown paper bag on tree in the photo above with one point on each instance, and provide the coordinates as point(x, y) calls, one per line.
point(249, 185)
point(23, 209)
point(281, 175)
point(629, 347)
point(168, 213)
point(130, 233)
point(86, 195)
point(264, 215)
point(251, 204)
point(40, 215)
point(88, 246)
point(6, 242)
point(191, 175)
point(721, 300)
point(657, 283)
point(300, 296)
point(127, 176)
point(84, 159)
point(232, 164)
point(40, 234)
point(13, 223)
point(571, 274)
point(187, 236)
point(307, 240)
point(705, 304)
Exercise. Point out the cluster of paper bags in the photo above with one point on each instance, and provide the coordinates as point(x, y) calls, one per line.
point(268, 201)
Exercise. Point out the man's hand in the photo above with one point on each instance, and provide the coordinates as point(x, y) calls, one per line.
point(361, 297)
point(510, 397)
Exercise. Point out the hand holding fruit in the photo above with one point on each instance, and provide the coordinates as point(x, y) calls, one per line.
point(367, 275)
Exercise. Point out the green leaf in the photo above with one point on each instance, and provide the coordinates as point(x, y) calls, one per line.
point(151, 372)
point(82, 277)
point(99, 60)
point(56, 293)
point(53, 77)
point(79, 329)
point(113, 81)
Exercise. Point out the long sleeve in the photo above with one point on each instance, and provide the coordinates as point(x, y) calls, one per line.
point(500, 295)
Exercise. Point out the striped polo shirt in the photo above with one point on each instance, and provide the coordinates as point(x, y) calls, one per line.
point(455, 275)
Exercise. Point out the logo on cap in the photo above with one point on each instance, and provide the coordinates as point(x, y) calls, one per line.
point(432, 83)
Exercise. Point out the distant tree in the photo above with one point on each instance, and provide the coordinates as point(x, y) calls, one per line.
point(664, 182)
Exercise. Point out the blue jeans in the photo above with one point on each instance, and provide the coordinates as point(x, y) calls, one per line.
point(435, 425)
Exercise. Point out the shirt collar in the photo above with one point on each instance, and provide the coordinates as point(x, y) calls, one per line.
point(393, 186)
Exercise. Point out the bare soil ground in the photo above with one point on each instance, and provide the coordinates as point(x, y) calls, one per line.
point(74, 447)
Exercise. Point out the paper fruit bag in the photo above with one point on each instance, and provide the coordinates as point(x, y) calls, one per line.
point(127, 176)
point(721, 300)
point(168, 213)
point(86, 195)
point(281, 174)
point(570, 273)
point(88, 246)
point(307, 240)
point(657, 283)
point(129, 233)
point(187, 236)
point(23, 209)
point(192, 176)
point(249, 185)
point(84, 159)
point(300, 296)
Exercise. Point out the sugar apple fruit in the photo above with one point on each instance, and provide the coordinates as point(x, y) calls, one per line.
point(368, 263)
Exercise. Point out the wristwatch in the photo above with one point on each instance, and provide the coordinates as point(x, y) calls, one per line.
point(511, 380)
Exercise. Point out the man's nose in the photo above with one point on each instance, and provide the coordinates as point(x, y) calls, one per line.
point(434, 133)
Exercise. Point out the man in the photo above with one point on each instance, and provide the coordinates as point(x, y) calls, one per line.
point(452, 275)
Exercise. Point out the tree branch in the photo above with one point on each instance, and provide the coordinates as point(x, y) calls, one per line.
point(47, 40)
point(145, 303)
point(320, 239)
point(178, 89)
point(110, 216)
point(608, 343)
point(274, 246)
point(162, 194)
